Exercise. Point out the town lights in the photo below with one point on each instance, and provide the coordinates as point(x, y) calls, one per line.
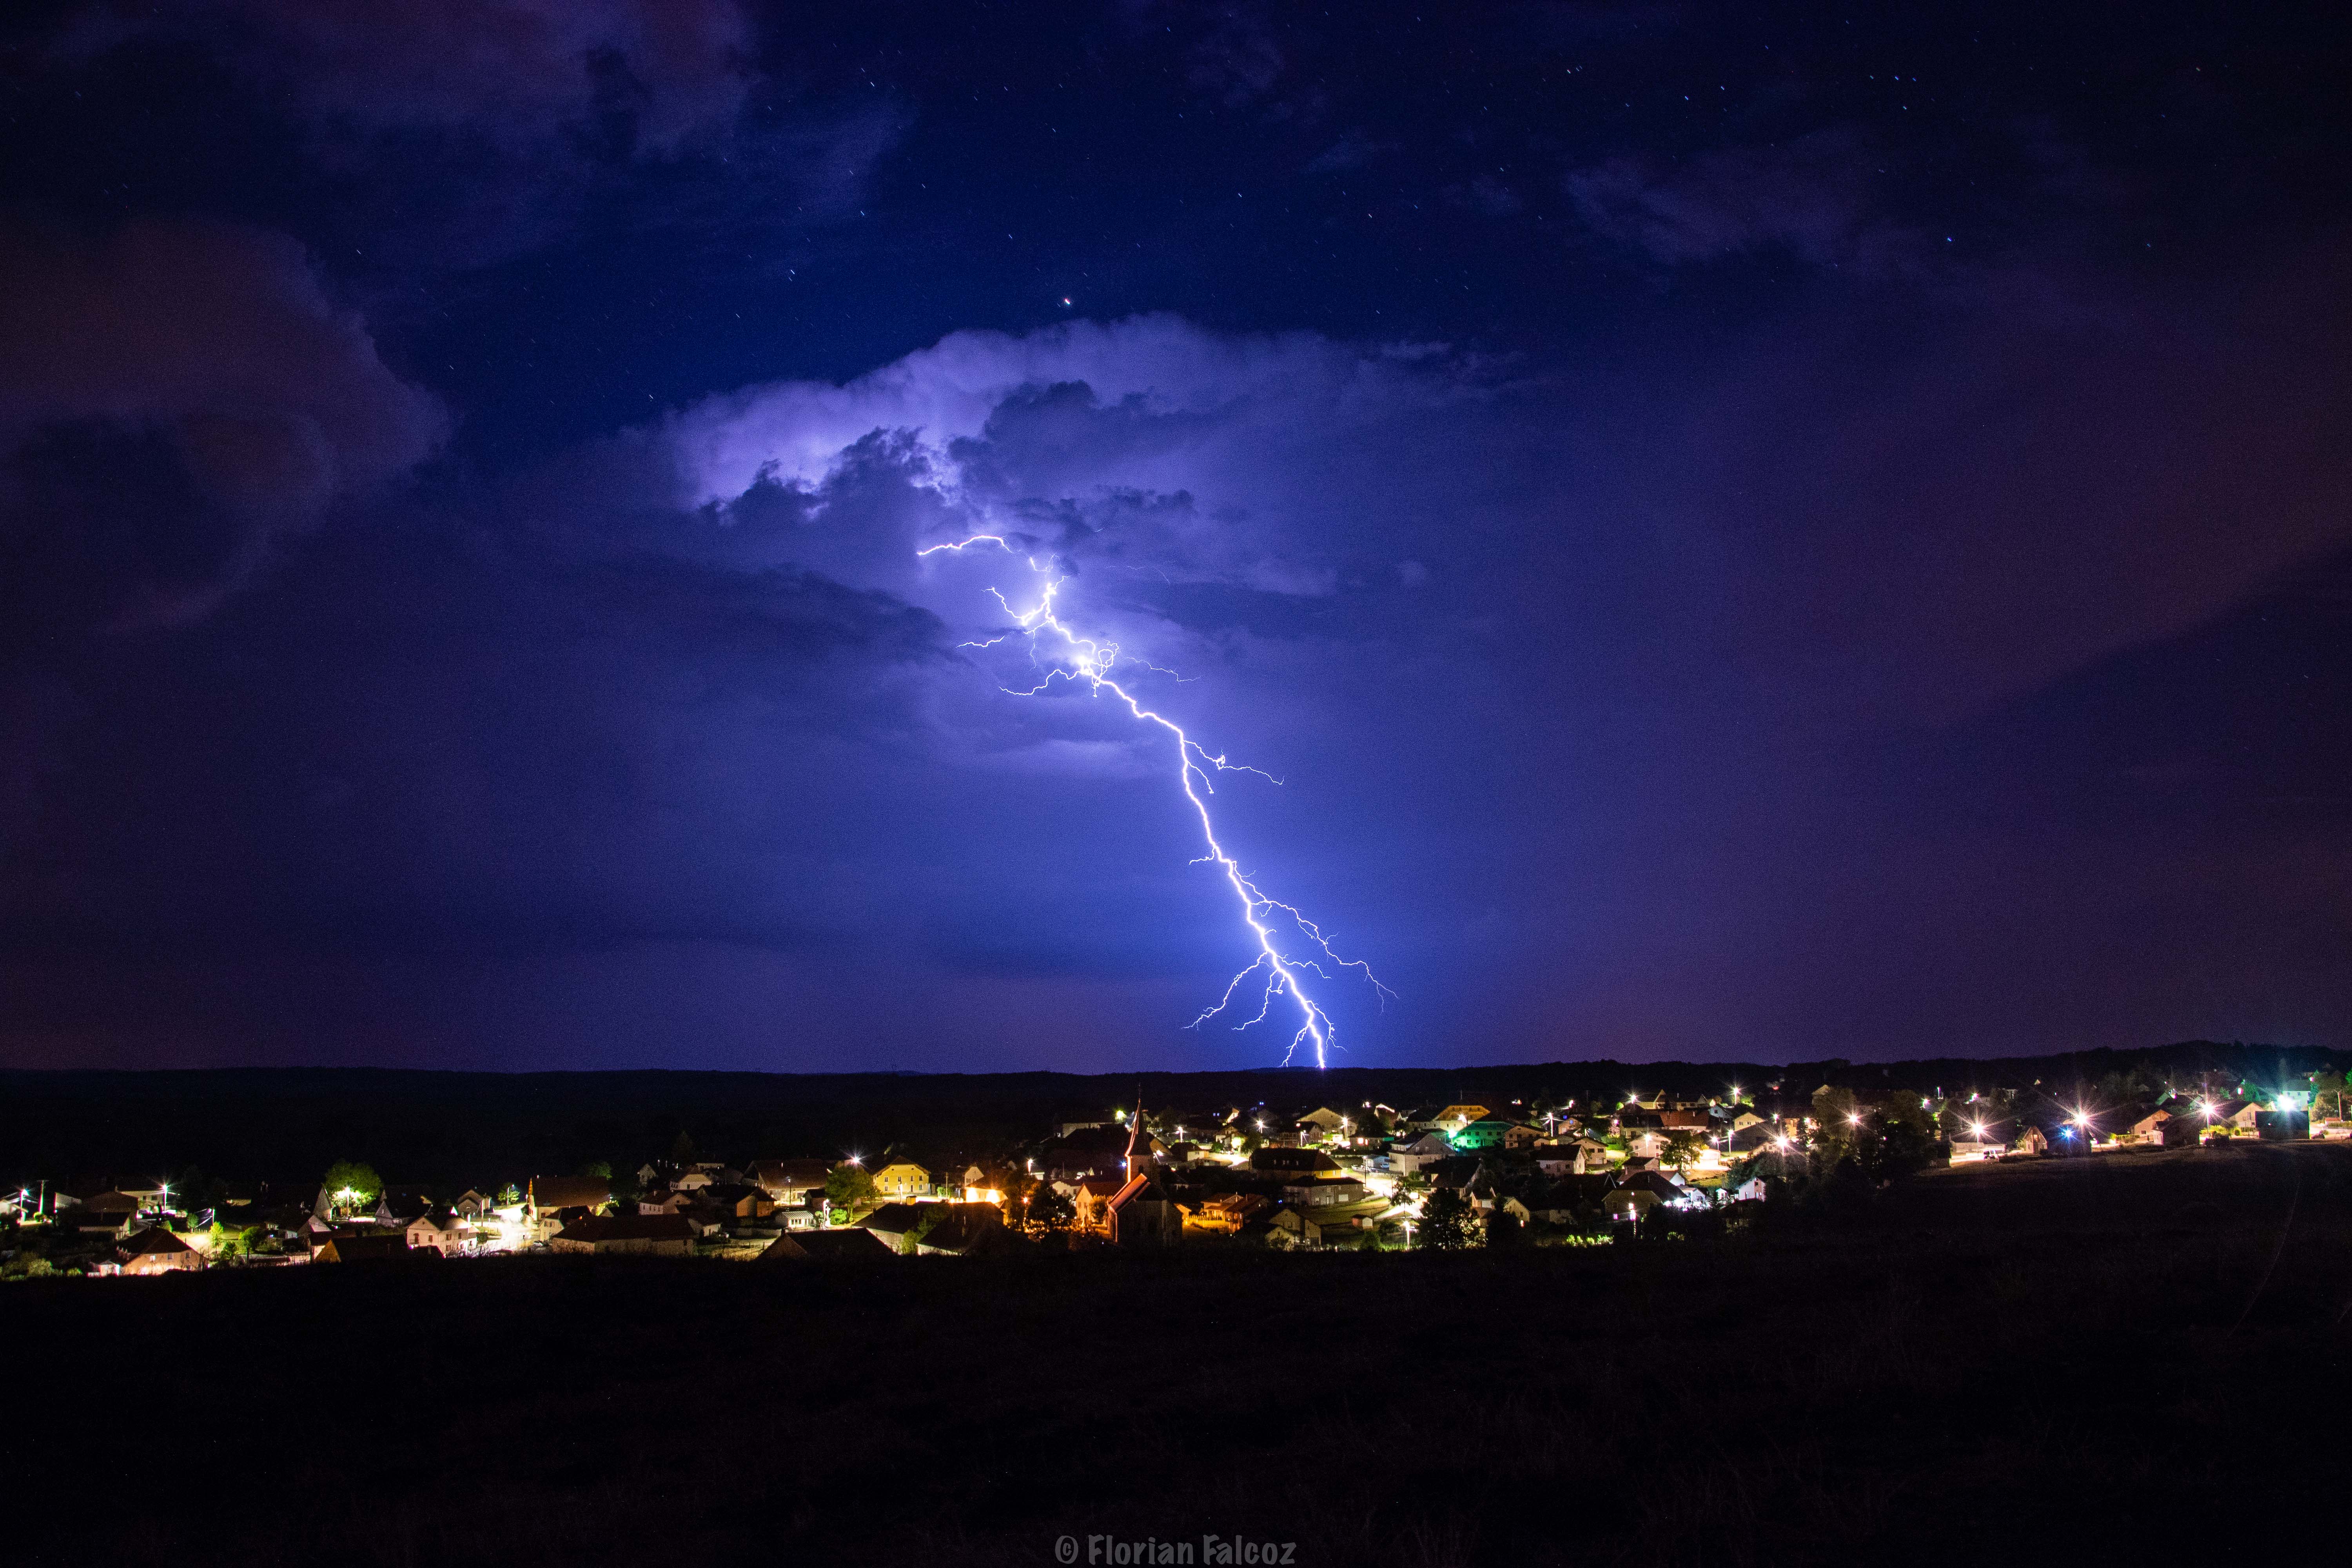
point(1976, 1130)
point(1855, 1118)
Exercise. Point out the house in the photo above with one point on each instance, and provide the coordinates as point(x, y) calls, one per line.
point(965, 1230)
point(1323, 1193)
point(1749, 1135)
point(548, 1193)
point(1630, 1203)
point(396, 1209)
point(900, 1181)
point(895, 1224)
point(662, 1235)
point(1582, 1157)
point(1289, 1227)
point(737, 1200)
point(1228, 1211)
point(157, 1252)
point(356, 1247)
point(1430, 1147)
point(1142, 1214)
point(1567, 1199)
point(104, 1212)
point(471, 1206)
point(1312, 1164)
point(1090, 1200)
point(1638, 1192)
point(979, 1186)
point(1486, 1132)
point(1098, 1150)
point(1322, 1121)
point(440, 1230)
point(2236, 1113)
point(703, 1221)
point(851, 1245)
point(791, 1181)
point(1451, 1119)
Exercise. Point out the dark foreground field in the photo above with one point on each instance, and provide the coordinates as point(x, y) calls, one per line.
point(2095, 1360)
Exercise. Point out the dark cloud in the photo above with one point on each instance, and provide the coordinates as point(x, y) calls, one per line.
point(518, 73)
point(173, 400)
point(1815, 198)
point(1758, 534)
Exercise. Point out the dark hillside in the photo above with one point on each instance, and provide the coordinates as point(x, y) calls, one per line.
point(2068, 1358)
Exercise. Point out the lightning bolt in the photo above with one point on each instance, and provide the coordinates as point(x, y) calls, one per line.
point(1089, 662)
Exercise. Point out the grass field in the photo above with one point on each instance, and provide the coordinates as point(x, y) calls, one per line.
point(2132, 1355)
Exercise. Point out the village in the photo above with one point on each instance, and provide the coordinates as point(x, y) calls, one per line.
point(1483, 1171)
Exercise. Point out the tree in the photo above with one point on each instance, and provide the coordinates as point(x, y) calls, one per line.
point(1902, 1137)
point(1503, 1228)
point(1050, 1211)
point(682, 1150)
point(1837, 1117)
point(193, 1191)
point(1017, 1185)
point(622, 1183)
point(1448, 1221)
point(2327, 1095)
point(848, 1185)
point(350, 1184)
point(1682, 1151)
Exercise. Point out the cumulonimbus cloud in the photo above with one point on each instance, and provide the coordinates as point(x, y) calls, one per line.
point(1145, 440)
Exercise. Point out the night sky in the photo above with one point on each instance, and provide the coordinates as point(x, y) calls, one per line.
point(1745, 533)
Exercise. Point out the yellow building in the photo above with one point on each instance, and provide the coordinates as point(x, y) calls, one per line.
point(901, 1181)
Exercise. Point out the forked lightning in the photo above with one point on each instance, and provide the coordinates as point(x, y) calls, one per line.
point(1091, 661)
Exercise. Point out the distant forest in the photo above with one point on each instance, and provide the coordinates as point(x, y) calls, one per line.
point(430, 1129)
